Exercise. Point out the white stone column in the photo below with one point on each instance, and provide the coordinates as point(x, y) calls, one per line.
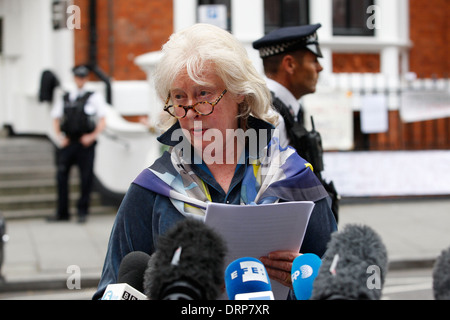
point(184, 14)
point(389, 32)
point(321, 11)
point(247, 25)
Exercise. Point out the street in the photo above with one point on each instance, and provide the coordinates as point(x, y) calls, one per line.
point(413, 240)
point(414, 284)
point(410, 284)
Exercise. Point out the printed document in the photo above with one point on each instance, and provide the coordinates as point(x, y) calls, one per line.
point(256, 230)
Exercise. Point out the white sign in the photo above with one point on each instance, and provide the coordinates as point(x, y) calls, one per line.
point(374, 114)
point(424, 105)
point(213, 14)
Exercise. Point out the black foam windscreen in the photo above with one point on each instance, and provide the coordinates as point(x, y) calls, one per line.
point(189, 258)
point(353, 267)
point(132, 269)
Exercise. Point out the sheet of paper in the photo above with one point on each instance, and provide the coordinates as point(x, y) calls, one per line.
point(256, 230)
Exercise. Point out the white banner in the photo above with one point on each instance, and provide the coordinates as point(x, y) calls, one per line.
point(424, 105)
point(389, 173)
point(333, 118)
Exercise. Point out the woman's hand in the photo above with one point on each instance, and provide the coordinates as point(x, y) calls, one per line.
point(279, 266)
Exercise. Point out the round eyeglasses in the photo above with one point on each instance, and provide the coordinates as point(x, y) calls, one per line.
point(203, 108)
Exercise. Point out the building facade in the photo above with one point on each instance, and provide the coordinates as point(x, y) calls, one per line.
point(387, 40)
point(384, 85)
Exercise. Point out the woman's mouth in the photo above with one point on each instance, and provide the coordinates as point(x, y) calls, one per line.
point(198, 132)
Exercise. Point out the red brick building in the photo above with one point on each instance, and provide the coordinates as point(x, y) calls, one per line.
point(429, 57)
point(127, 29)
point(430, 37)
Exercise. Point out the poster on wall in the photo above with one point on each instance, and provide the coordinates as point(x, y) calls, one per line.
point(333, 118)
point(374, 114)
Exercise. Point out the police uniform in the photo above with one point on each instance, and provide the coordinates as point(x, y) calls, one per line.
point(291, 124)
point(289, 39)
point(75, 153)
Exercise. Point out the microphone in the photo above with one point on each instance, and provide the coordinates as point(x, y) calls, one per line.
point(353, 267)
point(130, 278)
point(441, 276)
point(247, 279)
point(305, 269)
point(188, 264)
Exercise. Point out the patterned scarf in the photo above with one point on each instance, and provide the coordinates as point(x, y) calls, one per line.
point(277, 174)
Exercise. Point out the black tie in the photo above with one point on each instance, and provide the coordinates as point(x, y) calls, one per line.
point(300, 115)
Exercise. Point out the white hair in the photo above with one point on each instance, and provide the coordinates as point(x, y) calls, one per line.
point(201, 45)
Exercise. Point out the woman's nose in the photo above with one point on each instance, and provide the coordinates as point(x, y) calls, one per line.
point(191, 113)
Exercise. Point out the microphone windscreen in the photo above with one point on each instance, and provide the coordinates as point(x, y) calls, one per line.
point(441, 276)
point(190, 253)
point(132, 269)
point(246, 275)
point(305, 269)
point(353, 267)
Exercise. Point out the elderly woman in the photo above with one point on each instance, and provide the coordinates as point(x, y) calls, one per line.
point(212, 92)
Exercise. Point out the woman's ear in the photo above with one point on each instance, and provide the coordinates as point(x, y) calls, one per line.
point(240, 98)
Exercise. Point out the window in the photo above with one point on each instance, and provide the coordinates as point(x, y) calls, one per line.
point(227, 3)
point(285, 13)
point(350, 18)
point(59, 14)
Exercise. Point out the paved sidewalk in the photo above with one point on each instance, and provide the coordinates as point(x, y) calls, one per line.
point(39, 253)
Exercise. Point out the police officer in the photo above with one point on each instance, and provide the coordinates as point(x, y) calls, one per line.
point(77, 120)
point(290, 58)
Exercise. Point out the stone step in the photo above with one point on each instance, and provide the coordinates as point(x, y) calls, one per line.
point(26, 158)
point(37, 186)
point(10, 148)
point(48, 212)
point(20, 187)
point(27, 172)
point(28, 180)
point(39, 201)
